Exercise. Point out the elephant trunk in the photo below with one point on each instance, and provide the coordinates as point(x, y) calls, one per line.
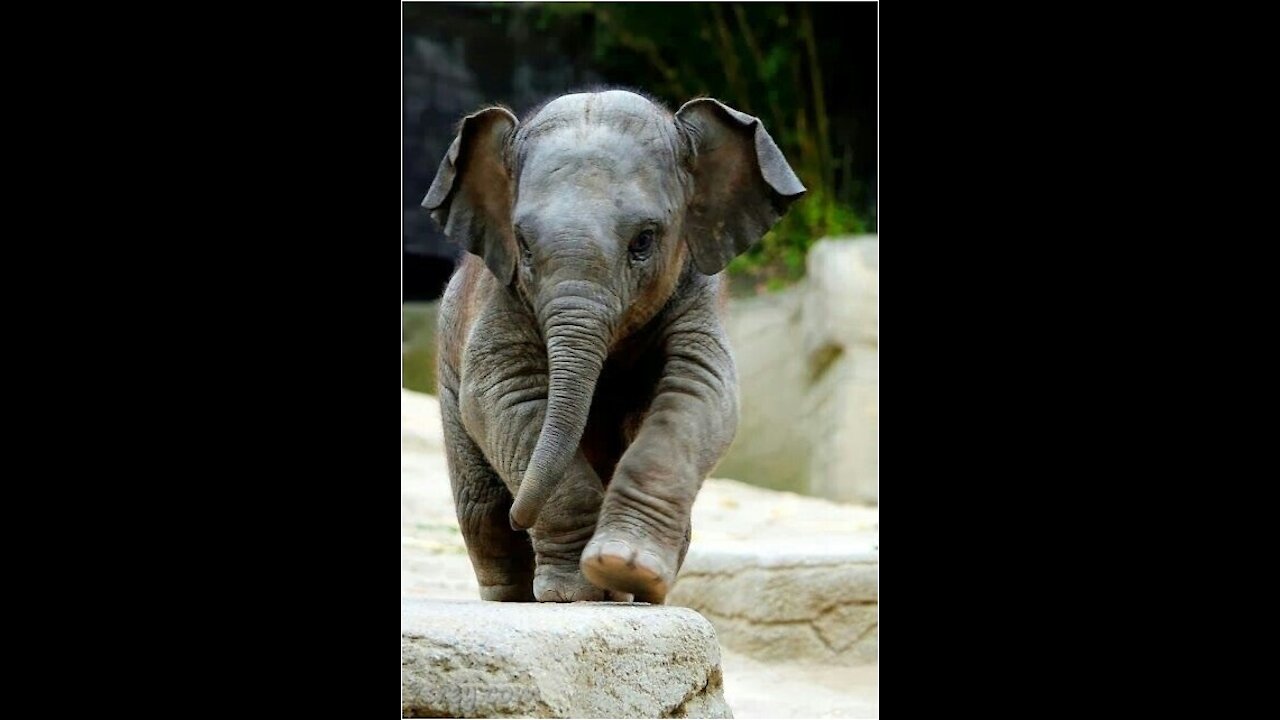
point(577, 335)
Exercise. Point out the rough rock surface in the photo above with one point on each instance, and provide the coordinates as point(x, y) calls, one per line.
point(791, 600)
point(784, 576)
point(478, 659)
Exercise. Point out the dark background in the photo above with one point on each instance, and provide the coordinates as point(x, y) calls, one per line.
point(808, 71)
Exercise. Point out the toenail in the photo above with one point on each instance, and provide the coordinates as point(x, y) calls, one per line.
point(651, 562)
point(620, 549)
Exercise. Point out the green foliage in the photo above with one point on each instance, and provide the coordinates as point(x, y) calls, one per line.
point(766, 59)
point(778, 259)
point(418, 355)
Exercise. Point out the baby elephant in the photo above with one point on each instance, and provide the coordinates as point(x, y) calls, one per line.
point(586, 382)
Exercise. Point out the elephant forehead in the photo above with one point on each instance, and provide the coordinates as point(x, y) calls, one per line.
point(600, 122)
point(594, 151)
point(610, 107)
point(611, 168)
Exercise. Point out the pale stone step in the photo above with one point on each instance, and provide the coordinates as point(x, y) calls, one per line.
point(615, 660)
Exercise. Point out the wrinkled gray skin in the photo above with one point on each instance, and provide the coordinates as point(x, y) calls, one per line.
point(585, 380)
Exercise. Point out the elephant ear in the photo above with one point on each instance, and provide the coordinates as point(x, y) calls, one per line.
point(471, 195)
point(742, 183)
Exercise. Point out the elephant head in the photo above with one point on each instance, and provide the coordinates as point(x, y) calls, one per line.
point(590, 211)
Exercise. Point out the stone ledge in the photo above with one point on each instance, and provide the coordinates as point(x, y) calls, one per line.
point(480, 659)
point(787, 600)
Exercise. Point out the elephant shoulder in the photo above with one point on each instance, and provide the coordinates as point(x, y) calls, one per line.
point(463, 302)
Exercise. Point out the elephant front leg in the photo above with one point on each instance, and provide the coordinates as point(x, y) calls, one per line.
point(502, 559)
point(510, 427)
point(644, 528)
point(564, 527)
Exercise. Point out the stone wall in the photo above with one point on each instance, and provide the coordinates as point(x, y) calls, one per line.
point(808, 368)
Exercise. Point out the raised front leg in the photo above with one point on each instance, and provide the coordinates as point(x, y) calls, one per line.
point(644, 527)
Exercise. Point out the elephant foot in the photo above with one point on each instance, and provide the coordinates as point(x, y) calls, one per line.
point(563, 583)
point(519, 592)
point(628, 565)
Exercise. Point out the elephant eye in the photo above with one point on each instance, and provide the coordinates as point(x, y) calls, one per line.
point(642, 245)
point(525, 254)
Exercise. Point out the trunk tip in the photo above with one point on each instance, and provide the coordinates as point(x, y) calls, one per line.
point(518, 520)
